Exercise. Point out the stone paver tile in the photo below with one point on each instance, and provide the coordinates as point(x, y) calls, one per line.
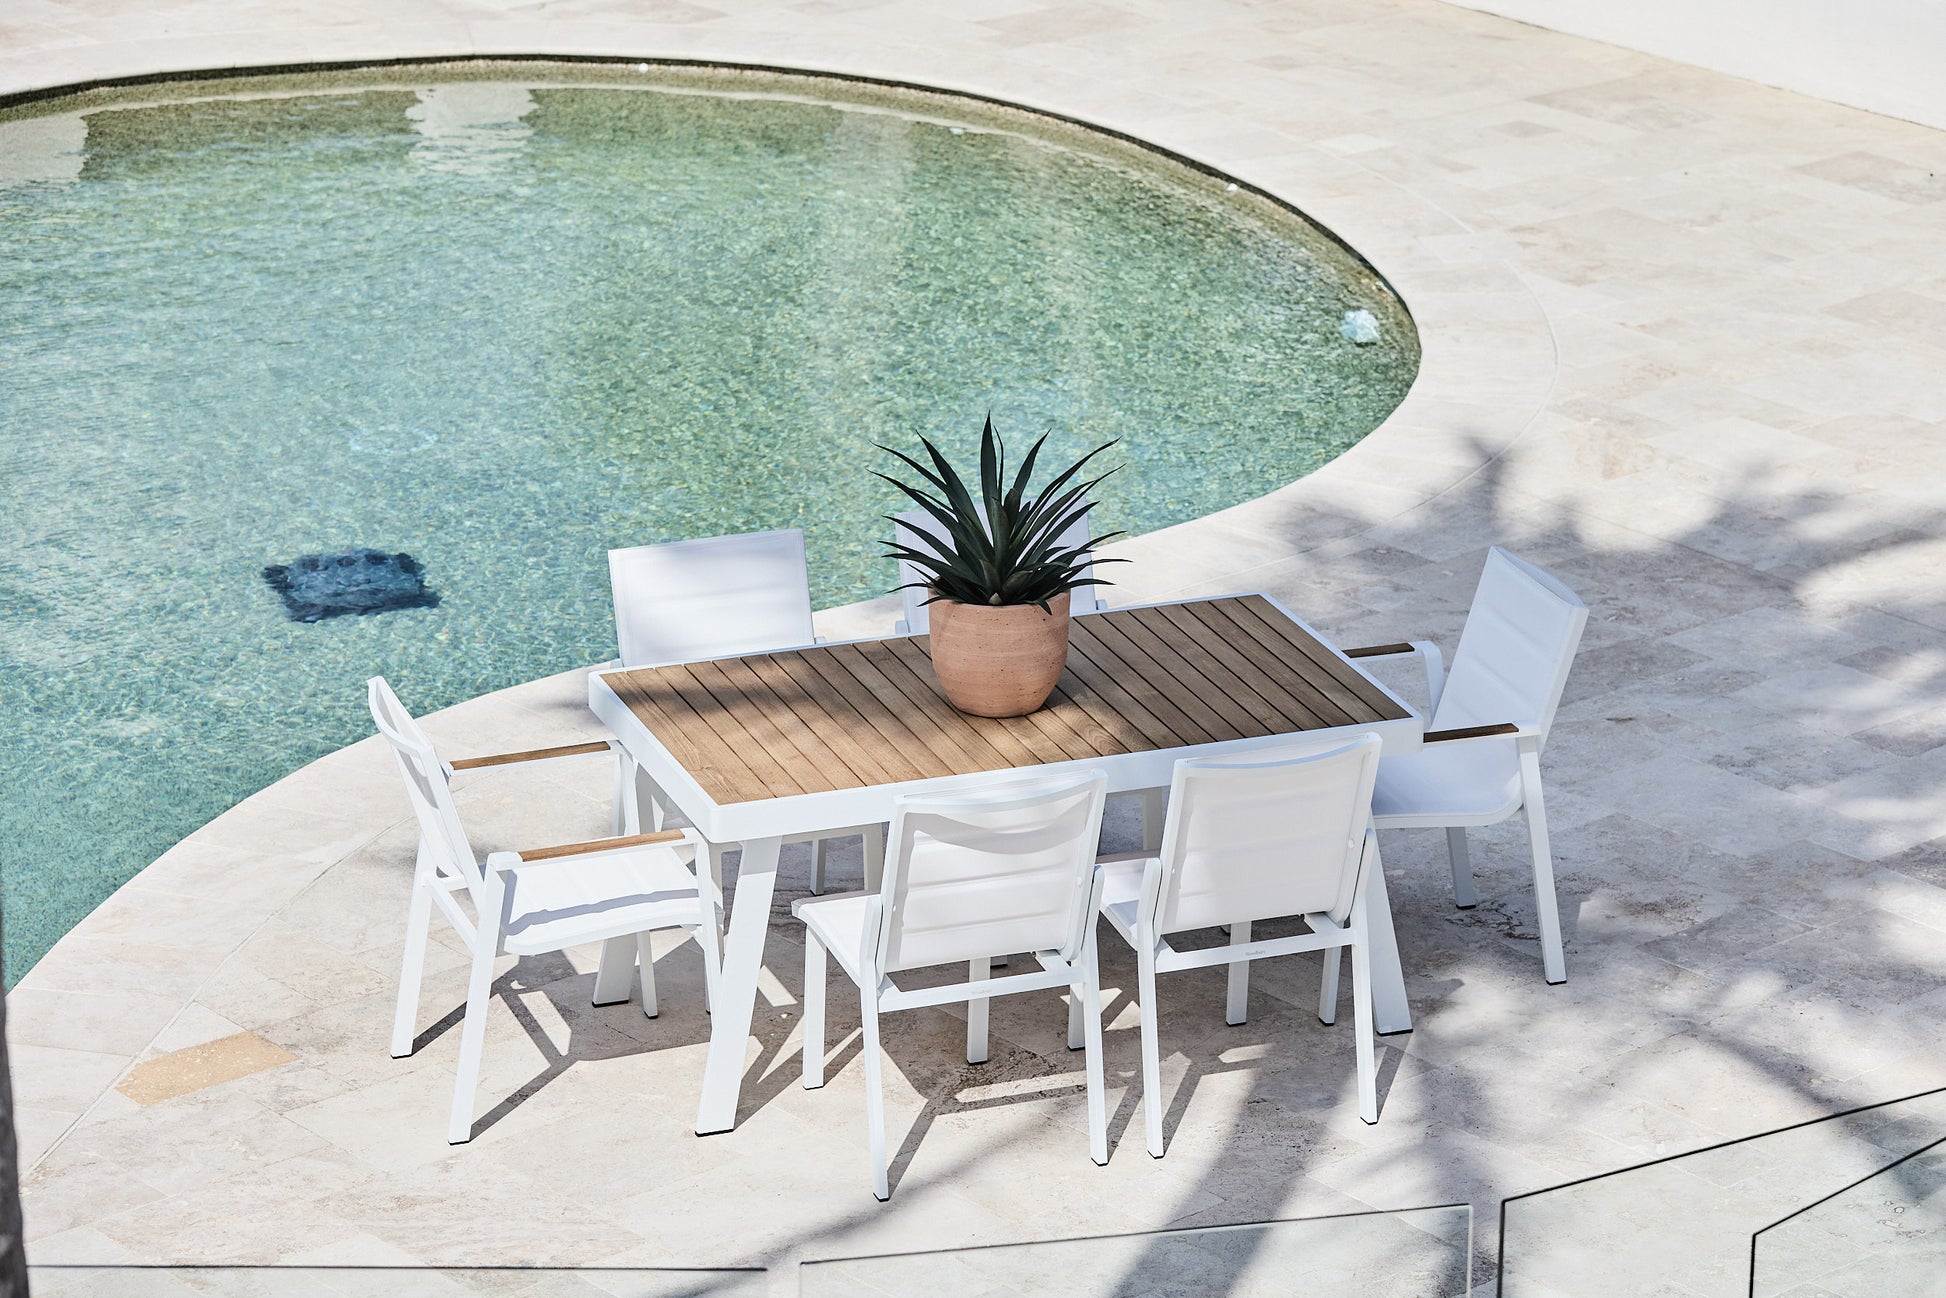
point(122, 1024)
point(82, 1190)
point(49, 1078)
point(1697, 800)
point(1890, 809)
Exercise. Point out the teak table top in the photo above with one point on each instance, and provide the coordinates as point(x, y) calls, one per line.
point(848, 716)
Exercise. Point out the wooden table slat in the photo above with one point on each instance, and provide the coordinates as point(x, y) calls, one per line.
point(1223, 684)
point(1058, 722)
point(1367, 693)
point(833, 717)
point(1276, 671)
point(1018, 745)
point(817, 701)
point(755, 720)
point(878, 723)
point(1095, 691)
point(1120, 686)
point(1342, 704)
point(695, 746)
point(1199, 725)
point(933, 733)
point(721, 723)
point(1071, 730)
point(1262, 675)
point(983, 740)
point(1067, 704)
point(776, 715)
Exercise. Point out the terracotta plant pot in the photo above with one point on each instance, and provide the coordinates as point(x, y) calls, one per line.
point(999, 661)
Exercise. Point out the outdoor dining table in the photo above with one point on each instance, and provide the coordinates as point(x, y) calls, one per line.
point(756, 749)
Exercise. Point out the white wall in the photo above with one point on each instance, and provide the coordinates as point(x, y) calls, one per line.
point(1888, 56)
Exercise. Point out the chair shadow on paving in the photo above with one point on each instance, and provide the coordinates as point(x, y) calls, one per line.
point(595, 1032)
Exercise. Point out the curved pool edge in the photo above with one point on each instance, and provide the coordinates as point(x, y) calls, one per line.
point(122, 984)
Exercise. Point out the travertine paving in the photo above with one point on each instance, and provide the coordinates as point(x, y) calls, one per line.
point(1683, 345)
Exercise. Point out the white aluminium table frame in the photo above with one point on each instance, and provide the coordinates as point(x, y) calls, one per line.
point(760, 826)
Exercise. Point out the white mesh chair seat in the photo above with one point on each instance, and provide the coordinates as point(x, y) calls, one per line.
point(839, 922)
point(1277, 832)
point(1475, 783)
point(1121, 887)
point(1005, 865)
point(553, 908)
point(1507, 677)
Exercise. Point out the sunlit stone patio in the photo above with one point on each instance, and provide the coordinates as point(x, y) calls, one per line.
point(1683, 339)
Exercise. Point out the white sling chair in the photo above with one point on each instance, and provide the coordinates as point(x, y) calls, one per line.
point(716, 597)
point(528, 902)
point(916, 616)
point(1281, 831)
point(1490, 718)
point(1006, 866)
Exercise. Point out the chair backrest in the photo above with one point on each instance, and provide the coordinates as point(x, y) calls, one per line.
point(1515, 651)
point(443, 843)
point(711, 597)
point(1004, 867)
point(1279, 831)
point(912, 599)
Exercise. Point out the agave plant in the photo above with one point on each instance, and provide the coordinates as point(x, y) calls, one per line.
point(1001, 546)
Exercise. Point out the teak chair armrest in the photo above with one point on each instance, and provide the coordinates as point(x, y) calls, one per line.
point(532, 755)
point(1380, 650)
point(1470, 732)
point(593, 846)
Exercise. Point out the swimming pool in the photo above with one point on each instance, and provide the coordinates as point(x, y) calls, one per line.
point(504, 317)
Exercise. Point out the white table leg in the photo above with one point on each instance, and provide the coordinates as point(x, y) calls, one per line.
point(1389, 1009)
point(736, 988)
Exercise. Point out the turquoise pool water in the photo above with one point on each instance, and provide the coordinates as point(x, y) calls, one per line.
point(504, 319)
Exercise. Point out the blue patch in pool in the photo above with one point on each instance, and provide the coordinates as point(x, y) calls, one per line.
point(318, 586)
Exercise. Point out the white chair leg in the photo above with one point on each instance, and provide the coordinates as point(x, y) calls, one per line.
point(1463, 894)
point(817, 868)
point(1155, 808)
point(1088, 996)
point(1361, 1014)
point(976, 1013)
point(874, 1094)
point(1546, 908)
point(813, 1071)
point(418, 920)
point(1236, 1010)
point(1075, 1009)
point(612, 974)
point(874, 850)
point(472, 1038)
point(1334, 959)
point(645, 961)
point(1151, 1053)
point(624, 816)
